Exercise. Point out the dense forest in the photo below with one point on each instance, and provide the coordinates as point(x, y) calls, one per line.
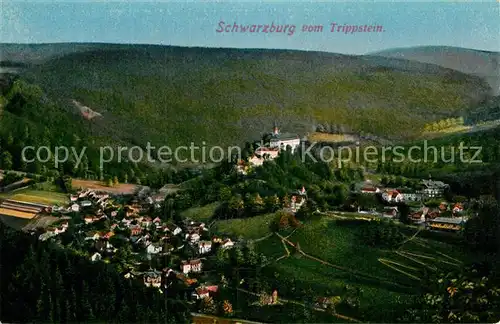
point(30, 118)
point(43, 282)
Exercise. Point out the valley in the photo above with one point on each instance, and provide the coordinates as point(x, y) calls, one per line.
point(268, 236)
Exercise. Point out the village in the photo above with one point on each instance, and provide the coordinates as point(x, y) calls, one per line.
point(428, 208)
point(129, 229)
point(110, 229)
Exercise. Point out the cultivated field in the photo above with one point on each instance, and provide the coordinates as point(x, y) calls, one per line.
point(122, 188)
point(37, 197)
point(330, 138)
point(16, 213)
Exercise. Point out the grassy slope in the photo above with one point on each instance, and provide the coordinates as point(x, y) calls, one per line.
point(250, 228)
point(200, 214)
point(172, 96)
point(338, 244)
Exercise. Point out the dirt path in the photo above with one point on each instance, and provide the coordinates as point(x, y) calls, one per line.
point(263, 238)
point(411, 238)
point(353, 272)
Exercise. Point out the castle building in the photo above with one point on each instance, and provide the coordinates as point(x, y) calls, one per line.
point(282, 140)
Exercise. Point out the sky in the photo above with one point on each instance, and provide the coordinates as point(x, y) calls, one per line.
point(195, 23)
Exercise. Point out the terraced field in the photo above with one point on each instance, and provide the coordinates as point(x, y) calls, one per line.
point(331, 256)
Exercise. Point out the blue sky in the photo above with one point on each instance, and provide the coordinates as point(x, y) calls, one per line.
point(194, 23)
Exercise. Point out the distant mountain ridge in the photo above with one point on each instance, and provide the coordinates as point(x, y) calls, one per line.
point(484, 64)
point(173, 96)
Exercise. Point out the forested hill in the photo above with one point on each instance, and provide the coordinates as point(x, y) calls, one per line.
point(41, 283)
point(484, 64)
point(174, 95)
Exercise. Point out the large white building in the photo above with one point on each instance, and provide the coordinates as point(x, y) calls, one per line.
point(433, 189)
point(282, 140)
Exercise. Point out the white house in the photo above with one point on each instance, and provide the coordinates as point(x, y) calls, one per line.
point(153, 249)
point(227, 243)
point(173, 229)
point(86, 203)
point(392, 196)
point(256, 161)
point(296, 203)
point(433, 189)
point(193, 237)
point(191, 266)
point(152, 278)
point(75, 208)
point(411, 196)
point(84, 193)
point(96, 257)
point(204, 247)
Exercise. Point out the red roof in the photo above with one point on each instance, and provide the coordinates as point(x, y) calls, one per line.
point(213, 288)
point(201, 291)
point(206, 290)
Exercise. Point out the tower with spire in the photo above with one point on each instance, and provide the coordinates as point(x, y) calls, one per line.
point(276, 130)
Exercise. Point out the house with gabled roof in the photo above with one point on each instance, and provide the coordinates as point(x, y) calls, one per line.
point(392, 195)
point(93, 235)
point(96, 257)
point(370, 190)
point(153, 248)
point(458, 208)
point(206, 291)
point(172, 228)
point(204, 247)
point(135, 230)
point(90, 219)
point(433, 189)
point(227, 244)
point(152, 278)
point(192, 237)
point(191, 266)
